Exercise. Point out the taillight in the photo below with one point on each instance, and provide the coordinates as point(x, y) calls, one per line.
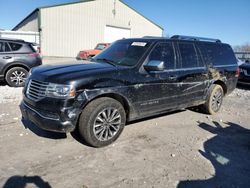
point(34, 54)
point(237, 74)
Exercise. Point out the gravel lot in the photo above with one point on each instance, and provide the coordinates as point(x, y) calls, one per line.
point(182, 149)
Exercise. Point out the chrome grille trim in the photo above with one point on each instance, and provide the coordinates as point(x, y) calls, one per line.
point(36, 90)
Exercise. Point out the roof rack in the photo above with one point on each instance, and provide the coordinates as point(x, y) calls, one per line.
point(182, 37)
point(153, 37)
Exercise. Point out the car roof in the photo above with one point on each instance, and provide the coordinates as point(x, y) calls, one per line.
point(176, 38)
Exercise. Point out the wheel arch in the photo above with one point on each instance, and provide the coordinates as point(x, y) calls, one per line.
point(120, 98)
point(12, 65)
point(222, 84)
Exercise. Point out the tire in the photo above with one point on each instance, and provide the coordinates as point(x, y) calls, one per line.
point(16, 76)
point(95, 126)
point(214, 100)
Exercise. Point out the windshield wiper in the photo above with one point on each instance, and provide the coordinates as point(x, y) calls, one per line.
point(109, 61)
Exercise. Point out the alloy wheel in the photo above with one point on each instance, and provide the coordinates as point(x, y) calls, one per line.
point(107, 124)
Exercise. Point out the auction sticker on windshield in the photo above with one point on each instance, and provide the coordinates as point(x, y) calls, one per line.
point(139, 44)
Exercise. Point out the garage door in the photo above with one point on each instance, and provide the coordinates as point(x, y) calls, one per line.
point(112, 34)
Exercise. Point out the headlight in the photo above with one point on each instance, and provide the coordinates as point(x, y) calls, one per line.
point(60, 91)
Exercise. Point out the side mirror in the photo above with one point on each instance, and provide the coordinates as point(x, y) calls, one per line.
point(154, 65)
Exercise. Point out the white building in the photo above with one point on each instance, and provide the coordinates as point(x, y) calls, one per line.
point(66, 29)
point(28, 36)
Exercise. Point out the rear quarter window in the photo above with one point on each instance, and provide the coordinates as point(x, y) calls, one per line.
point(15, 46)
point(217, 54)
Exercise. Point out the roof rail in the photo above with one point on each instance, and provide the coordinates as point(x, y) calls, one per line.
point(182, 37)
point(153, 37)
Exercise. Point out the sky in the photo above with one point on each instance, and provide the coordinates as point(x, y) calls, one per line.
point(228, 20)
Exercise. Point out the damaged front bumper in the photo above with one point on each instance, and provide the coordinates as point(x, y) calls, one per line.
point(50, 121)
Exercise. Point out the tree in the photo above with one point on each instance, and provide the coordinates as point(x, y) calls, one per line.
point(242, 48)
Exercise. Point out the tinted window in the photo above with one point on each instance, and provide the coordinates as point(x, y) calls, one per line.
point(189, 57)
point(164, 52)
point(15, 46)
point(100, 47)
point(4, 47)
point(124, 52)
point(217, 54)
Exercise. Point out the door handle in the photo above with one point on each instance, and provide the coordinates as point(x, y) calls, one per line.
point(172, 77)
point(7, 57)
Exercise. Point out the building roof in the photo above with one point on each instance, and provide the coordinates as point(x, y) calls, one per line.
point(34, 11)
point(82, 1)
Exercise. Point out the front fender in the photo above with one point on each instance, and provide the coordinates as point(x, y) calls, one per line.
point(118, 93)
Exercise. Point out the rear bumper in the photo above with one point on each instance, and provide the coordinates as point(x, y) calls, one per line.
point(244, 80)
point(54, 124)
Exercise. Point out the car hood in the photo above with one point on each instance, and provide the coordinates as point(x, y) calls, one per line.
point(245, 66)
point(66, 72)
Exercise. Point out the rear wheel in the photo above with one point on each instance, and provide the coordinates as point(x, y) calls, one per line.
point(102, 122)
point(214, 99)
point(16, 76)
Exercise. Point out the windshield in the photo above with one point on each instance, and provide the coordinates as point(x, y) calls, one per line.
point(124, 53)
point(100, 47)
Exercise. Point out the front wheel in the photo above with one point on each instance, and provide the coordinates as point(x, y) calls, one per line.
point(16, 76)
point(102, 122)
point(214, 99)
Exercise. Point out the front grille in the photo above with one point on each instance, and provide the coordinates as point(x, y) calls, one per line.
point(36, 90)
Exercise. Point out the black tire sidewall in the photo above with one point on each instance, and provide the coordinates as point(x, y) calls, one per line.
point(209, 104)
point(89, 115)
point(9, 73)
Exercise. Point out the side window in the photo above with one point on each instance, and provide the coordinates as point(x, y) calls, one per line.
point(4, 47)
point(189, 57)
point(164, 52)
point(217, 54)
point(15, 46)
point(1, 47)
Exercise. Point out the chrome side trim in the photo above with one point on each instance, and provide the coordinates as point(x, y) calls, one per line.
point(230, 65)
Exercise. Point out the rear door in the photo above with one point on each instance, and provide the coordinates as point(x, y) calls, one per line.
point(192, 73)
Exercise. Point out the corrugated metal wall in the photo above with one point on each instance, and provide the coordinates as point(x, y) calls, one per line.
point(67, 29)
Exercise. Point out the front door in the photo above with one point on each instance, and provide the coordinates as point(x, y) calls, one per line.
point(159, 90)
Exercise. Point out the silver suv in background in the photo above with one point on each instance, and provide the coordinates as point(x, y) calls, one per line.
point(17, 57)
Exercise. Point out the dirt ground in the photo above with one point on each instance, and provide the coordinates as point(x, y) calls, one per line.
point(181, 149)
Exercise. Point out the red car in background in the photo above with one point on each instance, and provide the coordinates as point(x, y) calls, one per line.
point(87, 54)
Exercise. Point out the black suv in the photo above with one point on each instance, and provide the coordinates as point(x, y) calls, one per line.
point(132, 79)
point(244, 77)
point(17, 57)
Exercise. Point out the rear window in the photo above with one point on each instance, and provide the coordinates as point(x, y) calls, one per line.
point(217, 54)
point(4, 47)
point(15, 46)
